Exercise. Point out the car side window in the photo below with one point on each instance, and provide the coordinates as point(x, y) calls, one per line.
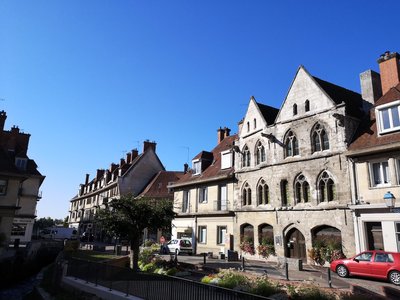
point(366, 256)
point(390, 258)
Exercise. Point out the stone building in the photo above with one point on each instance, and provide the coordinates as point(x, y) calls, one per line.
point(293, 185)
point(204, 197)
point(374, 158)
point(20, 181)
point(130, 176)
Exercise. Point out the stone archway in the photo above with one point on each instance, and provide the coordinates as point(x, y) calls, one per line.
point(295, 244)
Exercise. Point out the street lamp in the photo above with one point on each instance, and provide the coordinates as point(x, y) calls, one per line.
point(390, 200)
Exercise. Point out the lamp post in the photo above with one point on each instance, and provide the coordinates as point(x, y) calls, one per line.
point(390, 200)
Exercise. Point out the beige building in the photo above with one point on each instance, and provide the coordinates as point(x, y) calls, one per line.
point(130, 176)
point(204, 198)
point(19, 185)
point(293, 185)
point(374, 157)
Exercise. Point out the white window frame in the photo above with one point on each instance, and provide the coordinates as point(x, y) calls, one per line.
point(381, 173)
point(196, 167)
point(203, 194)
point(221, 234)
point(379, 115)
point(202, 234)
point(226, 159)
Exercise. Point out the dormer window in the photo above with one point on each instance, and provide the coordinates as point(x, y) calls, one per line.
point(196, 167)
point(21, 163)
point(226, 159)
point(388, 116)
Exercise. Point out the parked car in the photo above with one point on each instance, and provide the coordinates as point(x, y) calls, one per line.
point(374, 263)
point(180, 246)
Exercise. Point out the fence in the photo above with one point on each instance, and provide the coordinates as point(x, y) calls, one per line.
point(150, 286)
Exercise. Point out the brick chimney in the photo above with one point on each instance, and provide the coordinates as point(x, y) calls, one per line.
point(3, 117)
point(223, 133)
point(87, 179)
point(113, 167)
point(99, 174)
point(128, 158)
point(134, 154)
point(149, 145)
point(390, 70)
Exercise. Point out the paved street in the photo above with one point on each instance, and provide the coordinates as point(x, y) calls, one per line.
point(311, 274)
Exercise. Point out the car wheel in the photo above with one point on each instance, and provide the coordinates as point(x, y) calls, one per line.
point(394, 277)
point(342, 271)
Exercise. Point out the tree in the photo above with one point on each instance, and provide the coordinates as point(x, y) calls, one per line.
point(127, 217)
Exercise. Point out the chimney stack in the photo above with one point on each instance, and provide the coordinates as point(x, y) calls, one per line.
point(99, 174)
point(3, 117)
point(185, 168)
point(390, 70)
point(223, 133)
point(149, 145)
point(370, 87)
point(134, 154)
point(87, 179)
point(128, 158)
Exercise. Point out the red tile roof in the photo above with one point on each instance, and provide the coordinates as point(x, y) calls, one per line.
point(158, 187)
point(213, 171)
point(367, 134)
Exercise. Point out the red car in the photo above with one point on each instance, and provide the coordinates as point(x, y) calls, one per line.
point(373, 263)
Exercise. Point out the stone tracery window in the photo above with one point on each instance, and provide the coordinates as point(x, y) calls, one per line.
point(319, 138)
point(302, 189)
point(262, 193)
point(291, 145)
point(246, 157)
point(326, 187)
point(260, 153)
point(246, 195)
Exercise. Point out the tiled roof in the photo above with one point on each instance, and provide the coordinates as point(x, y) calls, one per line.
point(338, 94)
point(269, 113)
point(213, 171)
point(158, 187)
point(367, 133)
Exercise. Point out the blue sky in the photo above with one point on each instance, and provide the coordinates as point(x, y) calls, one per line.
point(90, 80)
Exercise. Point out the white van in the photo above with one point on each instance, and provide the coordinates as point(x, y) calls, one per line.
point(59, 233)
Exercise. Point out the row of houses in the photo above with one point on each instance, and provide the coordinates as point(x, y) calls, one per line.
point(20, 182)
point(323, 168)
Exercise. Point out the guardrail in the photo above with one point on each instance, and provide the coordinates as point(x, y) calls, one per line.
point(149, 286)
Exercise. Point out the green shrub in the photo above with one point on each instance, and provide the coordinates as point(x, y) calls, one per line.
point(231, 280)
point(312, 293)
point(145, 256)
point(150, 267)
point(171, 271)
point(265, 288)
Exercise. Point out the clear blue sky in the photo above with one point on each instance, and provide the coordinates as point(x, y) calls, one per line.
point(90, 80)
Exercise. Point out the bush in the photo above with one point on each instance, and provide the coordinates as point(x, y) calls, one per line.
point(145, 256)
point(230, 280)
point(311, 293)
point(264, 288)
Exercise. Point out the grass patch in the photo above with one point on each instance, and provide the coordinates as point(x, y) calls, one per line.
point(91, 255)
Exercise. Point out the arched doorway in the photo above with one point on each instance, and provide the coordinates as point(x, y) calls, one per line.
point(296, 244)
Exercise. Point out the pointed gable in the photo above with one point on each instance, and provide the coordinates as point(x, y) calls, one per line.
point(303, 88)
point(257, 117)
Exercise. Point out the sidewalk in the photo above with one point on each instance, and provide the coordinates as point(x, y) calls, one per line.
point(316, 275)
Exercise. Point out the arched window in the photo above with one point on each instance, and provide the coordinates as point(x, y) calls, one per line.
point(260, 153)
point(319, 138)
point(246, 195)
point(291, 145)
point(262, 193)
point(246, 157)
point(326, 187)
point(307, 105)
point(294, 109)
point(302, 189)
point(248, 126)
point(255, 123)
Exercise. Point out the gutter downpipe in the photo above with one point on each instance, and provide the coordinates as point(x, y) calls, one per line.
point(354, 196)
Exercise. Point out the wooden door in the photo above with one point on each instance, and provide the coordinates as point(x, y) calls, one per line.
point(296, 245)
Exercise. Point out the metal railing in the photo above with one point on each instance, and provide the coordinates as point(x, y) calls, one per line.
point(149, 286)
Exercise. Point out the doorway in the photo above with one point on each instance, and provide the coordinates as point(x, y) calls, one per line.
point(296, 245)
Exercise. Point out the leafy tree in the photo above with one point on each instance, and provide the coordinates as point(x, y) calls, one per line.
point(127, 217)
